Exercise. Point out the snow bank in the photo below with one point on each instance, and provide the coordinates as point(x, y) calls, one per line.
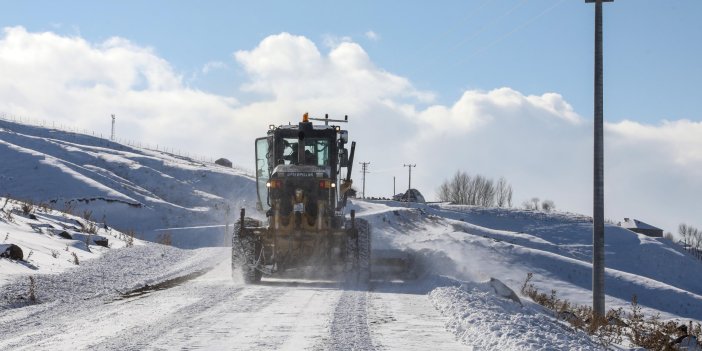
point(51, 241)
point(474, 244)
point(116, 272)
point(480, 318)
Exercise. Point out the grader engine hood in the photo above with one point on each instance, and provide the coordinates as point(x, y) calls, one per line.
point(303, 184)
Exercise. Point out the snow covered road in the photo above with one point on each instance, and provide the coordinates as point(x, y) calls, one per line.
point(212, 312)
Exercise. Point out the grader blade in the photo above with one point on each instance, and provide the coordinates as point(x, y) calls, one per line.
point(393, 264)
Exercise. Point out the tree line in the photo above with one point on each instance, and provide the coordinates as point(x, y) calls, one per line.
point(691, 239)
point(478, 190)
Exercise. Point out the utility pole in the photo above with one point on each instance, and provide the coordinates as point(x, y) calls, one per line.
point(598, 266)
point(112, 135)
point(364, 169)
point(409, 183)
point(393, 187)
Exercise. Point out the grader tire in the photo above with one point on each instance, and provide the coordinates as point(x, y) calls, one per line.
point(358, 252)
point(246, 251)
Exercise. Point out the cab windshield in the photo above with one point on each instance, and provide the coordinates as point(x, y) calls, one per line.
point(316, 151)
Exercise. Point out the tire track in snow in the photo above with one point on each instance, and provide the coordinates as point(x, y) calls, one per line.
point(290, 322)
point(349, 329)
point(208, 328)
point(214, 300)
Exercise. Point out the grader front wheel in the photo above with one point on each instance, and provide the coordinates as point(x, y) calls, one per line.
point(246, 251)
point(358, 250)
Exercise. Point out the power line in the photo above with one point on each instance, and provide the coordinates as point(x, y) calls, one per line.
point(511, 32)
point(364, 169)
point(439, 39)
point(455, 27)
point(486, 26)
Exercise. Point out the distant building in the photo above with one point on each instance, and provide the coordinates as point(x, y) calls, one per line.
point(224, 162)
point(637, 226)
point(412, 195)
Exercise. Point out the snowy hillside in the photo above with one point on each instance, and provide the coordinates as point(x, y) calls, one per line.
point(129, 188)
point(474, 244)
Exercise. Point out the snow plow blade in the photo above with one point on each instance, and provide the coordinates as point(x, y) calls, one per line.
point(392, 264)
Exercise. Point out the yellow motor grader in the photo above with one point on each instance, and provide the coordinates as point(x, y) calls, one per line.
point(299, 170)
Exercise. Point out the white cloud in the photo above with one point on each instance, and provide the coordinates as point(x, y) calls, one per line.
point(213, 65)
point(679, 141)
point(69, 80)
point(372, 36)
point(538, 142)
point(476, 108)
point(332, 41)
point(658, 168)
point(288, 66)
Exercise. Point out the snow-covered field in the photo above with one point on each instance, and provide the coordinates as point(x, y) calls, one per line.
point(151, 296)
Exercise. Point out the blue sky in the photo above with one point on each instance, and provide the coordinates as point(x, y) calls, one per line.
point(495, 87)
point(652, 48)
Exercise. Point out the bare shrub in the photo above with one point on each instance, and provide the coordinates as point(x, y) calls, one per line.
point(90, 227)
point(68, 207)
point(616, 325)
point(606, 329)
point(54, 253)
point(32, 290)
point(548, 206)
point(45, 207)
point(75, 259)
point(528, 205)
point(164, 239)
point(527, 285)
point(27, 207)
point(130, 238)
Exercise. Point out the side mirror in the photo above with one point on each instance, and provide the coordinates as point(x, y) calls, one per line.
point(344, 136)
point(343, 157)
